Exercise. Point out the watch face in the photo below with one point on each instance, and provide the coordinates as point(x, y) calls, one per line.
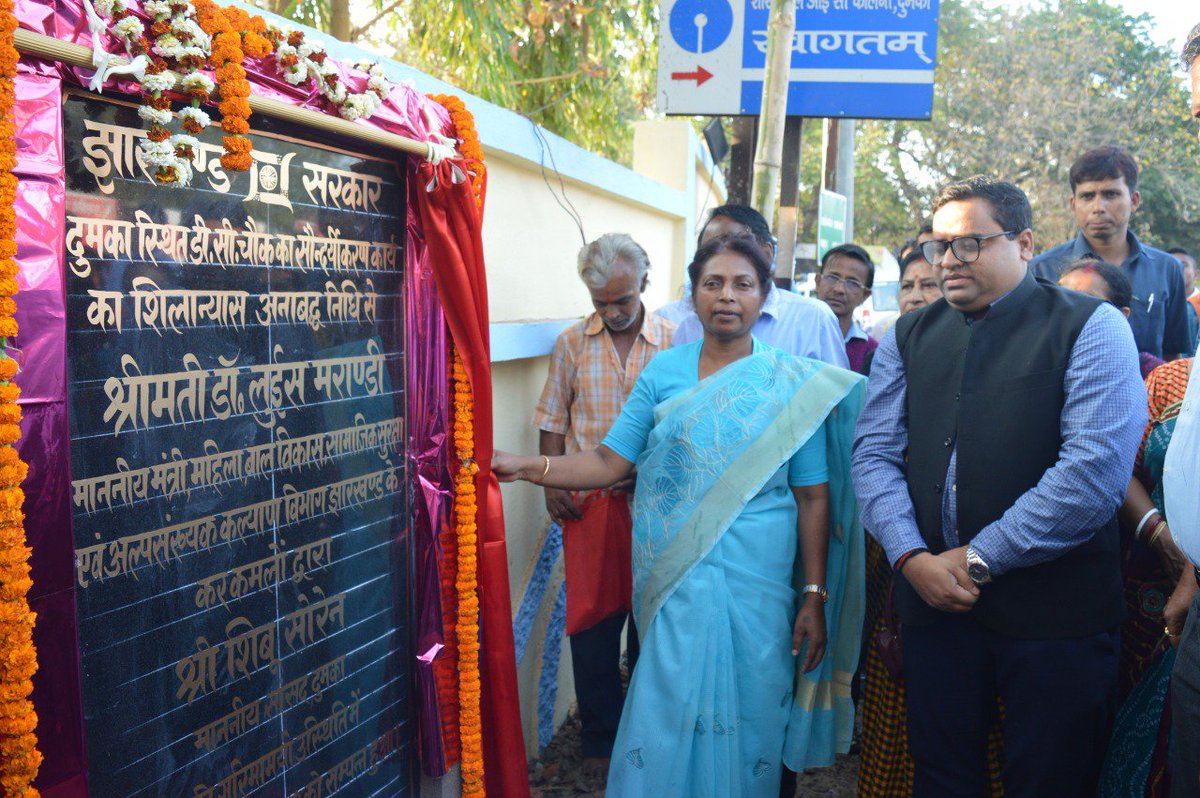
point(978, 572)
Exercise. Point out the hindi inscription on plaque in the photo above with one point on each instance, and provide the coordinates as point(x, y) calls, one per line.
point(236, 381)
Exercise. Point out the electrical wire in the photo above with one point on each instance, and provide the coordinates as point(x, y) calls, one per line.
point(564, 201)
point(544, 148)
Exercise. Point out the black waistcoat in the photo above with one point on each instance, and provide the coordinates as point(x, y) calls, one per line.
point(995, 390)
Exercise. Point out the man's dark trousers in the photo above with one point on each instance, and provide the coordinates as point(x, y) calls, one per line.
point(596, 664)
point(1059, 699)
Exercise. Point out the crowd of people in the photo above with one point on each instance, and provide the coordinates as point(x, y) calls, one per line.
point(976, 531)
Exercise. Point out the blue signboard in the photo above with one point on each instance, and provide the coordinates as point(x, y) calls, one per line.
point(850, 58)
point(853, 58)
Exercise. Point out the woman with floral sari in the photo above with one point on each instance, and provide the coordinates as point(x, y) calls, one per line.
point(747, 553)
point(1159, 588)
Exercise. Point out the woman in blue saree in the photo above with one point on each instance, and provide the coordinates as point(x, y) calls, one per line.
point(747, 552)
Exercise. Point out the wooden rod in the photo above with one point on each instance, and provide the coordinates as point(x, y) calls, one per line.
point(51, 49)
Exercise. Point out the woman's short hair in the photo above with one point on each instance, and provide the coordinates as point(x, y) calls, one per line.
point(1120, 290)
point(598, 259)
point(743, 245)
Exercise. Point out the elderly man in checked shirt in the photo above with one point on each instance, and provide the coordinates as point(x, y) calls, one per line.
point(593, 368)
point(992, 454)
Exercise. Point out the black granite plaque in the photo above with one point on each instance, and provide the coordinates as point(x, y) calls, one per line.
point(236, 380)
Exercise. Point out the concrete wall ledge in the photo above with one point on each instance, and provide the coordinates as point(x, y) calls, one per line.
point(518, 340)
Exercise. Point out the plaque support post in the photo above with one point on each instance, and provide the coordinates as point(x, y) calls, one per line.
point(51, 49)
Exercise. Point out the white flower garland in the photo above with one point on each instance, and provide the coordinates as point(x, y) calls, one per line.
point(154, 117)
point(200, 117)
point(186, 43)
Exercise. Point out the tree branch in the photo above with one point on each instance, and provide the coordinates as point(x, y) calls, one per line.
point(547, 78)
point(361, 29)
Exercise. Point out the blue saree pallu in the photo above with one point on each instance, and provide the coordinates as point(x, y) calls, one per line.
point(717, 701)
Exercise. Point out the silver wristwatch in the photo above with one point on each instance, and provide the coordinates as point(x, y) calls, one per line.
point(977, 569)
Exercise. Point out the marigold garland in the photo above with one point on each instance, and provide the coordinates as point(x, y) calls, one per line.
point(19, 757)
point(228, 27)
point(467, 628)
point(192, 35)
point(466, 509)
point(469, 146)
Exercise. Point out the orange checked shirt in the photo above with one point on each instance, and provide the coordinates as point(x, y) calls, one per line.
point(587, 385)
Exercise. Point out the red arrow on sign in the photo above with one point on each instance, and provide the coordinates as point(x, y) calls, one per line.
point(700, 75)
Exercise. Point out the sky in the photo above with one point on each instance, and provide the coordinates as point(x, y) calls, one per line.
point(1172, 18)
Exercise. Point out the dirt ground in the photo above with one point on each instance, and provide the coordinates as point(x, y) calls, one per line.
point(557, 774)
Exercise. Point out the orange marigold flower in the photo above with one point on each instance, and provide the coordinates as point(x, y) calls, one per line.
point(237, 145)
point(239, 19)
point(235, 106)
point(236, 162)
point(256, 46)
point(8, 368)
point(230, 72)
point(234, 124)
point(13, 475)
point(11, 498)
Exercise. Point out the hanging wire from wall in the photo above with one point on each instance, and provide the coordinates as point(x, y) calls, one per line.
point(544, 149)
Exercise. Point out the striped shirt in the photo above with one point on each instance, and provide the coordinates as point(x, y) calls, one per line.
point(587, 385)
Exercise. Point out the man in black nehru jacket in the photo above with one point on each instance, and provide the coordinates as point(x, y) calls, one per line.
point(995, 447)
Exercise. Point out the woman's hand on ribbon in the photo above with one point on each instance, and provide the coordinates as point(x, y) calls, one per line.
point(510, 467)
point(810, 629)
point(590, 470)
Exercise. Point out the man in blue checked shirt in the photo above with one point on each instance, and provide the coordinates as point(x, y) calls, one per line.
point(995, 447)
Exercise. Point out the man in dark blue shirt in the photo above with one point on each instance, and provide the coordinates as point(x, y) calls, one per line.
point(1104, 196)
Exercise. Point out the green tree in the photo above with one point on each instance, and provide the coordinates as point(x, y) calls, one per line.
point(584, 69)
point(1019, 94)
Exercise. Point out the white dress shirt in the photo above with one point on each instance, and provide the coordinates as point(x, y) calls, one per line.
point(796, 324)
point(676, 311)
point(1181, 473)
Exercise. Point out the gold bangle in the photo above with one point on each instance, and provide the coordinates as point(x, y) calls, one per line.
point(1155, 532)
point(546, 470)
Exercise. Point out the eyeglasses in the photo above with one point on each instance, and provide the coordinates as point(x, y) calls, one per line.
point(832, 280)
point(965, 248)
